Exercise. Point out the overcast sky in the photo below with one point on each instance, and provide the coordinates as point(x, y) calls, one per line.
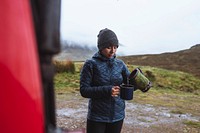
point(142, 26)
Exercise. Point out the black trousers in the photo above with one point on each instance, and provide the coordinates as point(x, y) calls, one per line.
point(103, 127)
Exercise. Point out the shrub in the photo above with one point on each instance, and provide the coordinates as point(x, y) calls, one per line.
point(64, 66)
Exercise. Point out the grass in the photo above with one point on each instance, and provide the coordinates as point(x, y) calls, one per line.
point(183, 102)
point(66, 82)
point(193, 124)
point(166, 79)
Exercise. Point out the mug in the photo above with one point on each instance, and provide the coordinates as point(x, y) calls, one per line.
point(140, 82)
point(126, 91)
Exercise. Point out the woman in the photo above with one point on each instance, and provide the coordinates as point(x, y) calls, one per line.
point(99, 81)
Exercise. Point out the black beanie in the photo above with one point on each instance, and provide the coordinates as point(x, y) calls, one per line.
point(106, 38)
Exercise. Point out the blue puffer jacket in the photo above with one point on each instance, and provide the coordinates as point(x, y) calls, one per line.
point(98, 76)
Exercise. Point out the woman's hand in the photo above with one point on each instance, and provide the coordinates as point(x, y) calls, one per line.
point(115, 91)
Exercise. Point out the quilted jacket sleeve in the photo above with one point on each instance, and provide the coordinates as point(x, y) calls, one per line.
point(125, 73)
point(86, 88)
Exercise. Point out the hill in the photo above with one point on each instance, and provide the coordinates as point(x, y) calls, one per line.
point(75, 52)
point(185, 60)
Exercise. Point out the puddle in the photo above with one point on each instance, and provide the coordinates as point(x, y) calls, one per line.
point(146, 115)
point(76, 109)
point(72, 113)
point(136, 114)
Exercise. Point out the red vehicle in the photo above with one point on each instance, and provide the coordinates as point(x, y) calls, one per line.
point(29, 37)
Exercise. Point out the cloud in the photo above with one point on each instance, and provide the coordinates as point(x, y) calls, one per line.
point(142, 26)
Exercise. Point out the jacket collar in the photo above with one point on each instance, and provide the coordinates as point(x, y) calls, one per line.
point(98, 55)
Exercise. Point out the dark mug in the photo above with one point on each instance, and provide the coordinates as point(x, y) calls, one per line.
point(126, 91)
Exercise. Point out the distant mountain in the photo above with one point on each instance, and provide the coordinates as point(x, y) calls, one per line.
point(185, 60)
point(75, 52)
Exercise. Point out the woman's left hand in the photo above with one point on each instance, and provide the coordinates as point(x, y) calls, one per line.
point(115, 91)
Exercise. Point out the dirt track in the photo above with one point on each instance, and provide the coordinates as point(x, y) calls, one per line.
point(72, 111)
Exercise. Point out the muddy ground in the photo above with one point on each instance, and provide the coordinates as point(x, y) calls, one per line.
point(71, 114)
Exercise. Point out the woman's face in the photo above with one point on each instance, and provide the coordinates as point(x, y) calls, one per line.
point(109, 51)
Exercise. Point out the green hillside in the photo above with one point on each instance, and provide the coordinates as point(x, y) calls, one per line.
point(161, 78)
point(185, 60)
point(171, 79)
